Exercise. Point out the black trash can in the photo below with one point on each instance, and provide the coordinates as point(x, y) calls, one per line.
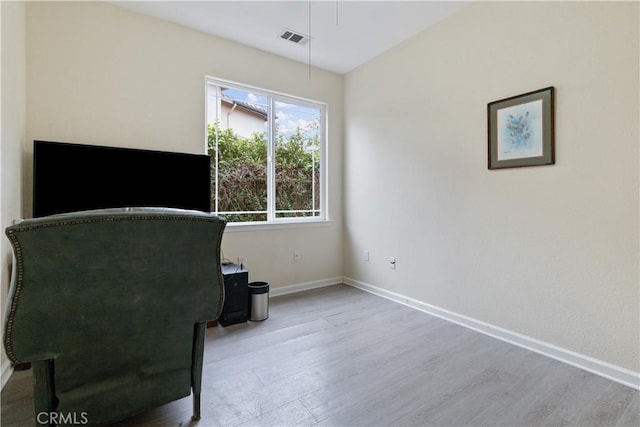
point(258, 301)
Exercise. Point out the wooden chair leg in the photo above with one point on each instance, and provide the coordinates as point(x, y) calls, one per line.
point(196, 407)
point(44, 391)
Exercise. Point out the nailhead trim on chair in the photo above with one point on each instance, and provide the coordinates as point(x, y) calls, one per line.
point(14, 299)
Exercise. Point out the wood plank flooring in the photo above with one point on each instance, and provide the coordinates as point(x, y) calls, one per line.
point(338, 356)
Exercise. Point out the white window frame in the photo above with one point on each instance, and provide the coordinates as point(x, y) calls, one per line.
point(274, 97)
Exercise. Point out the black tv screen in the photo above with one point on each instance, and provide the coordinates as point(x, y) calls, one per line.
point(75, 177)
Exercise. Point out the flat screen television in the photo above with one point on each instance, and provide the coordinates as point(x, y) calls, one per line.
point(75, 177)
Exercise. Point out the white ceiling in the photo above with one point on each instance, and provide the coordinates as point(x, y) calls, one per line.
point(344, 33)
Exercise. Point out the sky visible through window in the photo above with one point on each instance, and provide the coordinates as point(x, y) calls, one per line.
point(289, 117)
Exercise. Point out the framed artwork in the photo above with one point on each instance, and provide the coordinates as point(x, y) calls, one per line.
point(521, 130)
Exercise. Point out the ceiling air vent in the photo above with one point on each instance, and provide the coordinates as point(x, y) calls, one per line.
point(295, 37)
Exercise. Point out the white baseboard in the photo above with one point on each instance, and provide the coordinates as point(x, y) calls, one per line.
point(595, 366)
point(6, 374)
point(273, 292)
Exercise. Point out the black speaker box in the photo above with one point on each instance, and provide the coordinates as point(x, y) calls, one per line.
point(236, 295)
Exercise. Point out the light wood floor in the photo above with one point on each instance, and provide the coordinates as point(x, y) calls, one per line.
point(338, 356)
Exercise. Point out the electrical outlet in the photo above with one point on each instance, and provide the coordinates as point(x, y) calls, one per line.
point(392, 262)
point(297, 255)
point(365, 255)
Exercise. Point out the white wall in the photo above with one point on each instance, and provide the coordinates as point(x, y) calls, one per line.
point(242, 122)
point(101, 74)
point(12, 112)
point(548, 252)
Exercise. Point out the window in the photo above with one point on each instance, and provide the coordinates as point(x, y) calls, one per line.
point(267, 154)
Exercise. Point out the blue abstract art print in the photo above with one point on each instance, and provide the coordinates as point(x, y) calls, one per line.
point(521, 130)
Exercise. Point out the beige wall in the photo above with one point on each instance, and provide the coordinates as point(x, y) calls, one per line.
point(548, 252)
point(13, 136)
point(100, 74)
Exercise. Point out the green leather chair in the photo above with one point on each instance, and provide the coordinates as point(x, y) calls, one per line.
point(110, 307)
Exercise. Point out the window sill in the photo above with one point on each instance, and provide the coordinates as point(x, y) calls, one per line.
point(233, 227)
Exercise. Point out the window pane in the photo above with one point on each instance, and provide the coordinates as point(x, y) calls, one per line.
point(297, 160)
point(266, 154)
point(237, 143)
